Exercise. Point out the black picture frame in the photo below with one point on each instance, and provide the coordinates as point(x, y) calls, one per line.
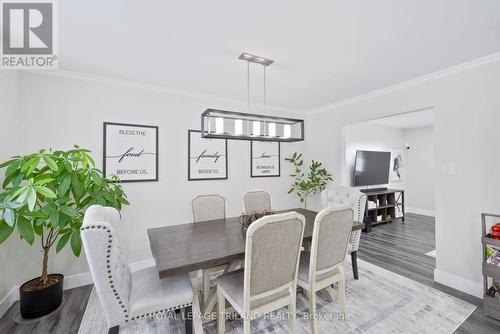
point(251, 161)
point(189, 158)
point(156, 128)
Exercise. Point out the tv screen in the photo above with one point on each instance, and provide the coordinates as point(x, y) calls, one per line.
point(371, 168)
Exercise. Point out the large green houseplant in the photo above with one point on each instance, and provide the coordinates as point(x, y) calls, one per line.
point(44, 195)
point(305, 185)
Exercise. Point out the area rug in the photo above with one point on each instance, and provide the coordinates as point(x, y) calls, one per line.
point(379, 302)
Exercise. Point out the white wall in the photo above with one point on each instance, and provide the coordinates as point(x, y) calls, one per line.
point(466, 117)
point(60, 111)
point(8, 148)
point(370, 137)
point(419, 170)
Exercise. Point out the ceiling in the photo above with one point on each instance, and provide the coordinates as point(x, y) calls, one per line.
point(324, 51)
point(410, 120)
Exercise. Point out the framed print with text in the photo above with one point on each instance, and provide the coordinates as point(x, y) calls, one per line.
point(265, 159)
point(130, 152)
point(207, 158)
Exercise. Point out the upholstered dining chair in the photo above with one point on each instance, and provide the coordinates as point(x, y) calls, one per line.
point(269, 280)
point(208, 207)
point(205, 208)
point(257, 201)
point(127, 296)
point(325, 264)
point(335, 196)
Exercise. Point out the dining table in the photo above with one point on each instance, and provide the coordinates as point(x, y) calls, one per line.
point(191, 247)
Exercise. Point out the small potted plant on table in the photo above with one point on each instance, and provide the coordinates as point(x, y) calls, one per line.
point(45, 195)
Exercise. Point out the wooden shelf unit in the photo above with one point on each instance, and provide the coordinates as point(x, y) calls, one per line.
point(491, 306)
point(390, 203)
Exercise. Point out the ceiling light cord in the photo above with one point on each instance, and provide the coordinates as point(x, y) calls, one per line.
point(248, 86)
point(265, 92)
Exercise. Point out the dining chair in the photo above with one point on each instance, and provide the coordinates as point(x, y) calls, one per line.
point(257, 201)
point(127, 296)
point(269, 280)
point(206, 208)
point(338, 195)
point(325, 264)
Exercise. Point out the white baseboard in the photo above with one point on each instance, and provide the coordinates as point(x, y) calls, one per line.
point(8, 300)
point(459, 283)
point(420, 211)
point(70, 282)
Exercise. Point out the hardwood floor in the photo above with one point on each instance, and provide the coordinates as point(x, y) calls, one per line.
point(398, 247)
point(65, 320)
point(401, 248)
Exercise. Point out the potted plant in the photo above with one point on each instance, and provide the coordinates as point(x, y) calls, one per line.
point(45, 195)
point(312, 183)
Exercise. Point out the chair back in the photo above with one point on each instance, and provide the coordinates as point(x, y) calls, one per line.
point(110, 273)
point(338, 195)
point(272, 254)
point(208, 207)
point(331, 233)
point(257, 201)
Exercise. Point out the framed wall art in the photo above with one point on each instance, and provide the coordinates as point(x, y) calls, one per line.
point(130, 152)
point(207, 158)
point(265, 159)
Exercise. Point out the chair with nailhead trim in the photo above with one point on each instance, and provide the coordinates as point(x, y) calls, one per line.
point(336, 196)
point(127, 296)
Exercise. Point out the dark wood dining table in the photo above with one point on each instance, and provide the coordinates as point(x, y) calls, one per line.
point(188, 248)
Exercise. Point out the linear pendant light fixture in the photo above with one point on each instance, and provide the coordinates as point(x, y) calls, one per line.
point(247, 126)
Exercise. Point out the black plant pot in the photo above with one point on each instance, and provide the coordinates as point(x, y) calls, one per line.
point(41, 302)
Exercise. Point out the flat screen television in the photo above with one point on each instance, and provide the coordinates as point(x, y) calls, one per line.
point(371, 168)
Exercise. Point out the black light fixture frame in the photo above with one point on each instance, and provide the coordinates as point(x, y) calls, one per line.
point(241, 115)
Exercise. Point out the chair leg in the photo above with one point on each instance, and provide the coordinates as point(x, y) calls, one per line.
point(292, 311)
point(312, 312)
point(221, 313)
point(246, 325)
point(341, 293)
point(114, 330)
point(354, 260)
point(188, 319)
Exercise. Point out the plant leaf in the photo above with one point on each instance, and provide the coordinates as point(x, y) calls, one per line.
point(76, 243)
point(6, 163)
point(25, 230)
point(45, 192)
point(54, 219)
point(5, 231)
point(68, 211)
point(9, 216)
point(12, 168)
point(38, 228)
point(63, 240)
point(50, 163)
point(64, 186)
point(31, 199)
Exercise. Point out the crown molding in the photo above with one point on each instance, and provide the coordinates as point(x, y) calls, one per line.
point(162, 89)
point(424, 78)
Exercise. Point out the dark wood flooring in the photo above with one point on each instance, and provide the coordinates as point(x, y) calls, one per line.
point(398, 247)
point(401, 248)
point(65, 320)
